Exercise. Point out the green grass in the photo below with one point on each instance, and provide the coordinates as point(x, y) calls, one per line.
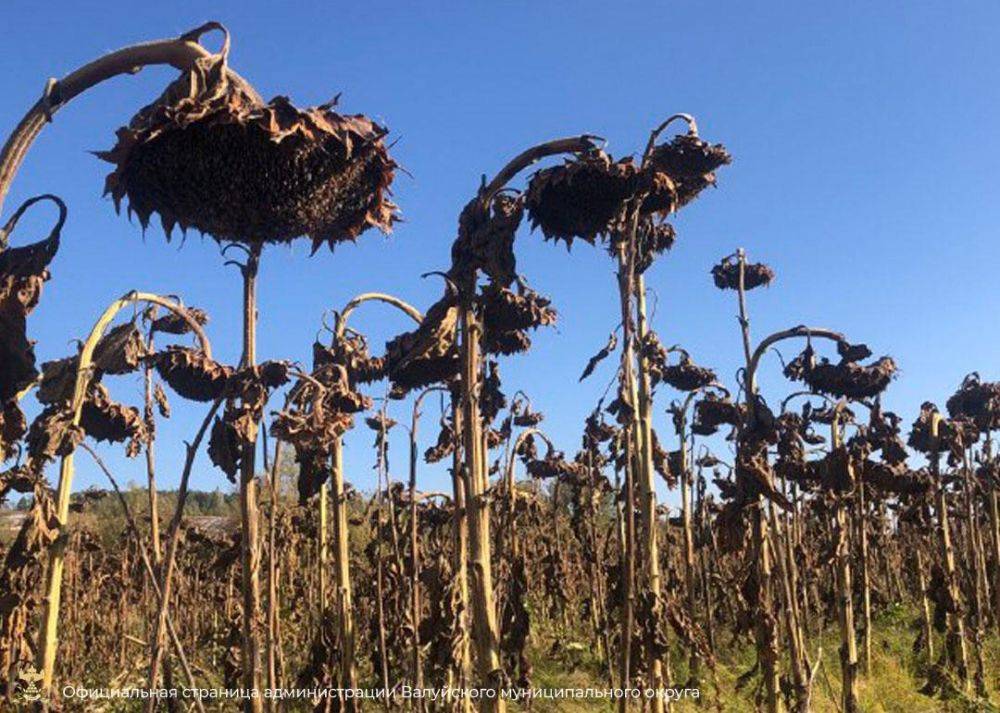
point(892, 686)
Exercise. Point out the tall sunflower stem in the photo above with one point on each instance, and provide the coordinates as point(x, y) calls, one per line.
point(485, 631)
point(249, 506)
point(49, 626)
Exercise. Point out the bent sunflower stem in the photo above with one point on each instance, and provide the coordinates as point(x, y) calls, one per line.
point(48, 634)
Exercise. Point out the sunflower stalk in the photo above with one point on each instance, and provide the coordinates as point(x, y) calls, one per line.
point(48, 634)
point(925, 602)
point(635, 285)
point(766, 635)
point(844, 588)
point(343, 599)
point(861, 530)
point(993, 497)
point(955, 652)
point(974, 555)
point(249, 504)
point(460, 547)
point(486, 639)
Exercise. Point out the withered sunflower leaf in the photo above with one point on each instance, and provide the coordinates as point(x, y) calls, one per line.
point(600, 356)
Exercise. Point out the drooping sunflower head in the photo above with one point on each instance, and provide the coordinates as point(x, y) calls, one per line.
point(210, 155)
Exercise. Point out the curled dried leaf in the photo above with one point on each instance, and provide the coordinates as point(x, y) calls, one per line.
point(192, 374)
point(603, 354)
point(653, 240)
point(428, 354)
point(445, 445)
point(52, 435)
point(121, 350)
point(173, 323)
point(23, 272)
point(486, 239)
point(160, 398)
point(106, 420)
point(225, 448)
point(13, 426)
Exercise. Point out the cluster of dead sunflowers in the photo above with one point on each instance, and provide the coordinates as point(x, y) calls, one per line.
point(211, 155)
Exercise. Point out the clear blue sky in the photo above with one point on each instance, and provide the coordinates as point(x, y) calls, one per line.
point(865, 148)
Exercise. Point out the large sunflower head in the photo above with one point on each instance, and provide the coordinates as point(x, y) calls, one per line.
point(209, 154)
point(582, 197)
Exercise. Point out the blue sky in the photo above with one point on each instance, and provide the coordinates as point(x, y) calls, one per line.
point(864, 141)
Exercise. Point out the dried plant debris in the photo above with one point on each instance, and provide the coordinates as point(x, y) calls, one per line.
point(160, 399)
point(225, 448)
point(21, 575)
point(687, 189)
point(726, 274)
point(338, 394)
point(121, 350)
point(209, 154)
point(314, 430)
point(597, 430)
point(247, 392)
point(524, 417)
point(755, 476)
point(516, 341)
point(666, 465)
point(314, 433)
point(851, 380)
point(17, 357)
point(895, 479)
point(192, 374)
point(925, 434)
point(58, 380)
point(507, 315)
point(506, 310)
point(555, 465)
